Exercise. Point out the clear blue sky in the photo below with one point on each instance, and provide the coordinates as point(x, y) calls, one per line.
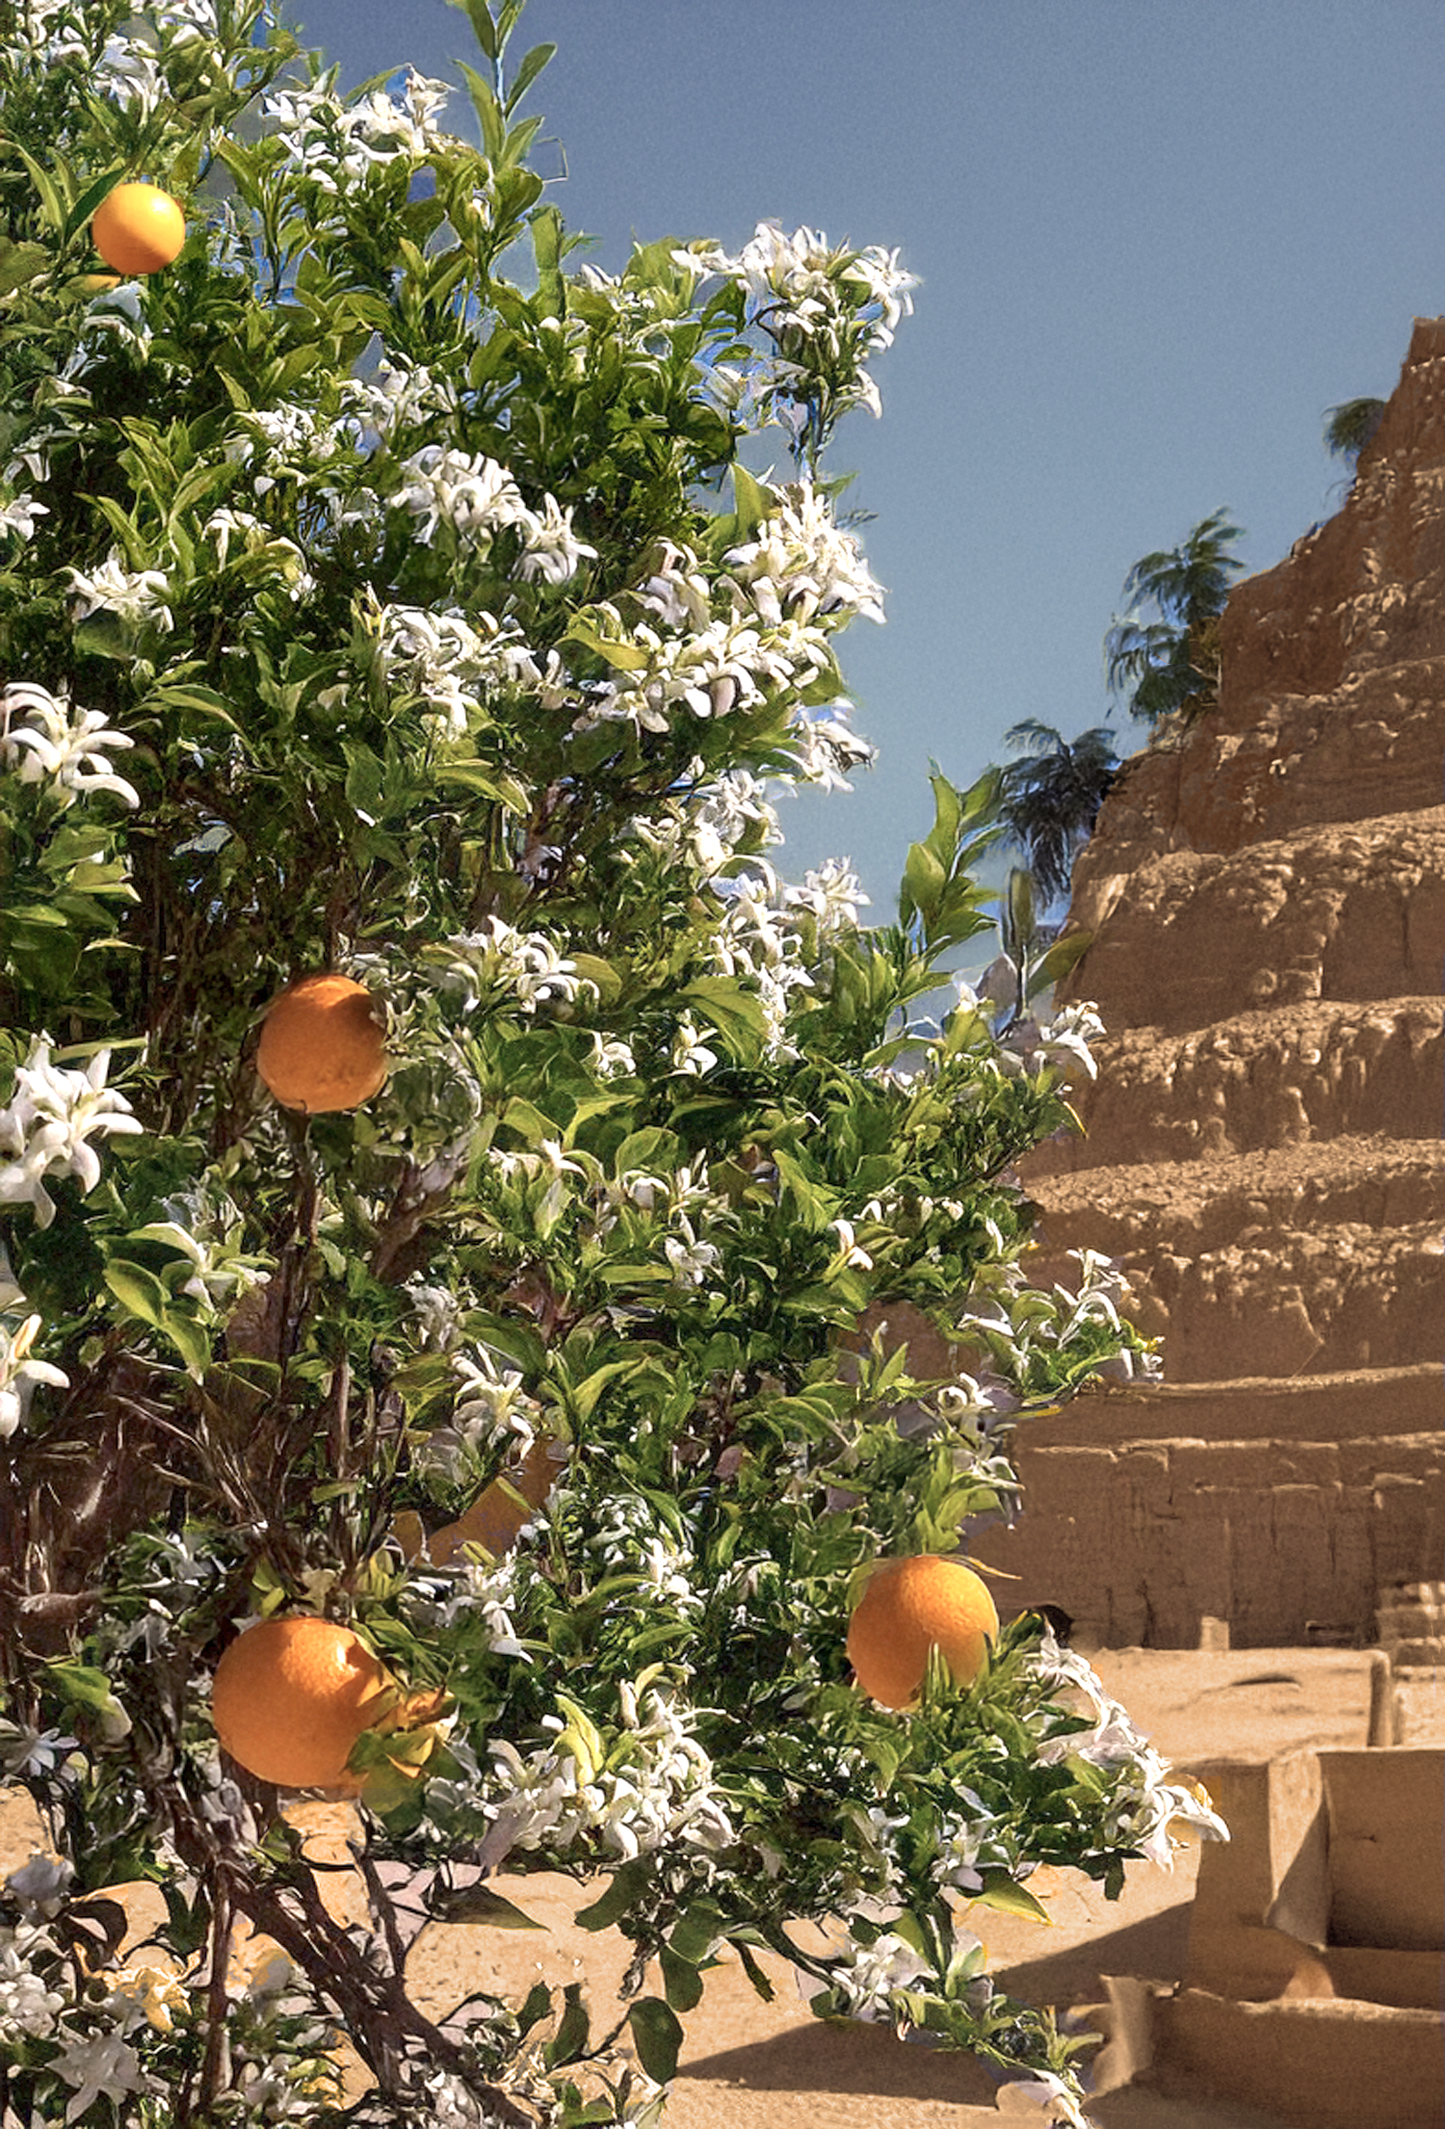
point(1157, 241)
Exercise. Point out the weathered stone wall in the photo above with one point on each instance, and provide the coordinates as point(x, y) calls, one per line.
point(1264, 1147)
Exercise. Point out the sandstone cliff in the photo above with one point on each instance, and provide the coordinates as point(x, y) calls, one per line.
point(1264, 1148)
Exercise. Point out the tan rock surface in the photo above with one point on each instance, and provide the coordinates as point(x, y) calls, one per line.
point(1264, 1146)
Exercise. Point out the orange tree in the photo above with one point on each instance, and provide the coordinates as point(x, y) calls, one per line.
point(368, 612)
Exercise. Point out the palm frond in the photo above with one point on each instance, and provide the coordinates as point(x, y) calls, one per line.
point(1351, 425)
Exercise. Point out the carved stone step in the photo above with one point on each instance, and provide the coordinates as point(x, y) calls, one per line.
point(1337, 914)
point(1259, 1080)
point(1269, 1504)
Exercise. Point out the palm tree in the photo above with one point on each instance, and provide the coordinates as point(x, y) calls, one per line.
point(1170, 666)
point(1050, 799)
point(1350, 426)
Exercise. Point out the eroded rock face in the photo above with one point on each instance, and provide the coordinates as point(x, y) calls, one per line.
point(1264, 1146)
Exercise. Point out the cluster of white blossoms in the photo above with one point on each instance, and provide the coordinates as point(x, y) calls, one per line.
point(631, 1538)
point(801, 561)
point(46, 740)
point(730, 664)
point(825, 752)
point(761, 937)
point(396, 396)
point(1018, 1321)
point(758, 942)
point(48, 32)
point(138, 597)
point(831, 894)
point(1146, 1806)
point(771, 638)
point(869, 1975)
point(435, 1598)
point(205, 1226)
point(478, 498)
point(29, 2005)
point(18, 515)
point(674, 1209)
point(111, 314)
point(1062, 1043)
point(37, 1997)
point(20, 1372)
point(969, 1842)
point(827, 308)
point(800, 272)
point(522, 967)
point(48, 1123)
point(491, 1406)
point(255, 542)
point(452, 660)
point(335, 145)
point(1043, 2099)
point(288, 442)
point(718, 818)
point(654, 1788)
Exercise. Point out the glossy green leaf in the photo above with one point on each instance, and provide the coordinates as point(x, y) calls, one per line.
point(658, 2036)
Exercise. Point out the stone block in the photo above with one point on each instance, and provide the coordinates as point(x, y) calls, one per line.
point(1386, 1837)
point(1316, 2063)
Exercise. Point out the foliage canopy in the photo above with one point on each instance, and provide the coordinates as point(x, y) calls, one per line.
point(1050, 796)
point(381, 594)
point(1168, 668)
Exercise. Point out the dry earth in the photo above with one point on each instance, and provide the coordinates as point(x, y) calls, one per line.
point(750, 2065)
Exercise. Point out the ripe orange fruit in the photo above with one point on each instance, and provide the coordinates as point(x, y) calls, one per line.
point(138, 228)
point(290, 1698)
point(323, 1045)
point(909, 1607)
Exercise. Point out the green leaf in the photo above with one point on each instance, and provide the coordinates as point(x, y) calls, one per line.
point(657, 2032)
point(626, 1887)
point(697, 1931)
point(483, 28)
point(754, 1972)
point(536, 2007)
point(753, 503)
point(1063, 955)
point(20, 263)
point(139, 1292)
point(489, 111)
point(622, 657)
point(187, 696)
point(485, 781)
point(478, 1904)
point(947, 811)
point(90, 199)
point(735, 1013)
point(190, 1338)
point(85, 1687)
point(51, 198)
point(38, 916)
point(570, 2039)
point(1009, 1897)
point(579, 1400)
point(603, 975)
point(681, 1981)
point(527, 72)
point(924, 879)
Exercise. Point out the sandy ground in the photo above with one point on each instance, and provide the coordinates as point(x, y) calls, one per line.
point(751, 2065)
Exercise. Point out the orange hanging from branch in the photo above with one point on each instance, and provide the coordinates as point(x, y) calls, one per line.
point(291, 1696)
point(909, 1607)
point(323, 1045)
point(137, 229)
